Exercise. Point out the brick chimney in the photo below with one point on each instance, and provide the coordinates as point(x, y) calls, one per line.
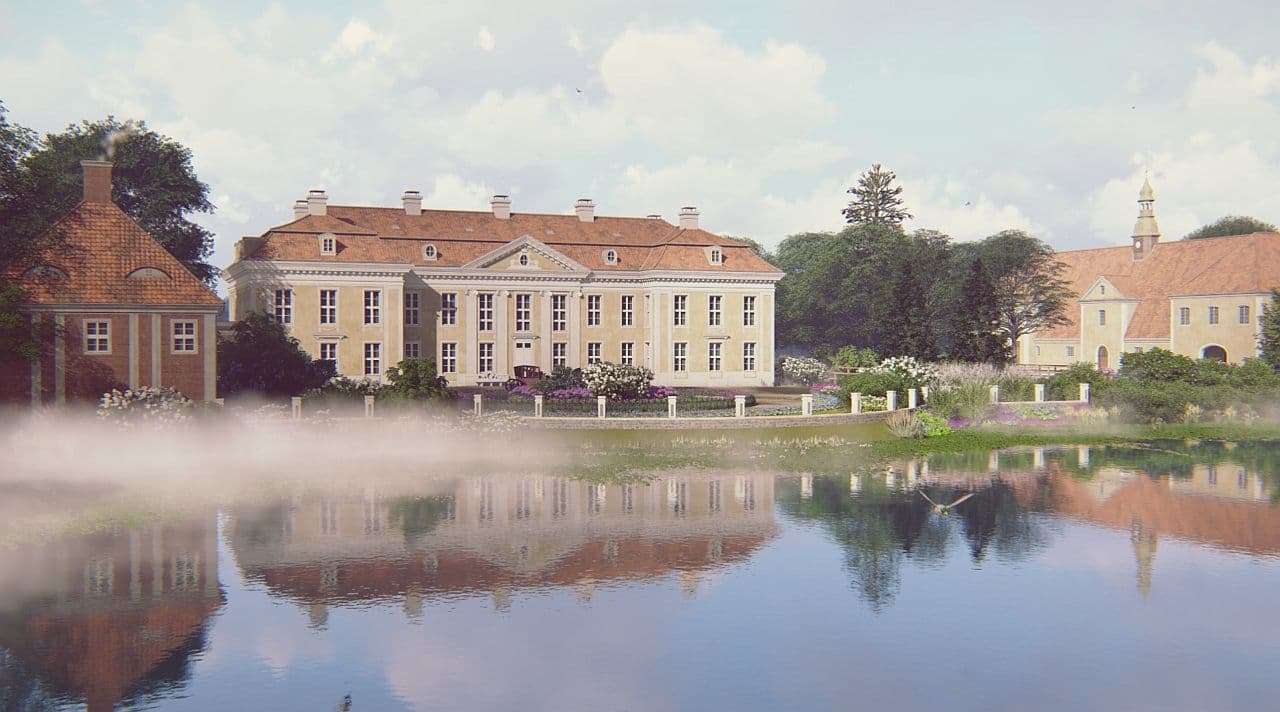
point(412, 200)
point(317, 202)
point(97, 181)
point(586, 209)
point(688, 218)
point(501, 207)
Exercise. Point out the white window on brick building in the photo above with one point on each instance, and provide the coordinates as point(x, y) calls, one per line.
point(183, 336)
point(97, 337)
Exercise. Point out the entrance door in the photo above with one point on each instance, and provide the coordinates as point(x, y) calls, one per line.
point(1102, 358)
point(523, 353)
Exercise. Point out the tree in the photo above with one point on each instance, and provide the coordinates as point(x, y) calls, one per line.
point(260, 356)
point(416, 379)
point(876, 201)
point(1270, 339)
point(911, 332)
point(1230, 225)
point(975, 334)
point(1030, 292)
point(756, 247)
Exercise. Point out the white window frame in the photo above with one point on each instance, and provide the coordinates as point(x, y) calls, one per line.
point(524, 312)
point(484, 311)
point(331, 346)
point(559, 354)
point(749, 310)
point(715, 309)
point(715, 353)
point(1071, 352)
point(715, 256)
point(429, 252)
point(1242, 314)
point(412, 308)
point(559, 312)
point(448, 357)
point(749, 356)
point(484, 353)
point(1213, 315)
point(627, 314)
point(329, 310)
point(680, 310)
point(595, 352)
point(627, 353)
point(680, 356)
point(328, 244)
point(413, 349)
point(372, 307)
point(373, 358)
point(1184, 316)
point(1102, 317)
point(188, 341)
point(97, 336)
point(595, 303)
point(448, 309)
point(284, 306)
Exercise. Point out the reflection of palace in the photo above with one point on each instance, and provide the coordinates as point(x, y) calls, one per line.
point(496, 534)
point(112, 615)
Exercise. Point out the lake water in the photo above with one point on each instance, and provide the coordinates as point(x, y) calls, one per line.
point(1076, 578)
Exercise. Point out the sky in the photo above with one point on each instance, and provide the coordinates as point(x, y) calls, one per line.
point(1036, 116)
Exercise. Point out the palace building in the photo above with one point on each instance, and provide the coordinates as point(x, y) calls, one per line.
point(1200, 298)
point(487, 292)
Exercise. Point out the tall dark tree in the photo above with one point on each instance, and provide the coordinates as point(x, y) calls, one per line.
point(1230, 225)
point(910, 333)
point(975, 332)
point(1030, 291)
point(876, 200)
point(259, 356)
point(1269, 340)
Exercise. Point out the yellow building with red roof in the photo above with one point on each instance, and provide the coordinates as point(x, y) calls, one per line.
point(486, 292)
point(1201, 298)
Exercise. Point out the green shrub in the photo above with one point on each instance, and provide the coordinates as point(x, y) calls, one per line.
point(1157, 365)
point(1066, 385)
point(905, 424)
point(870, 383)
point(854, 357)
point(1150, 402)
point(1254, 374)
point(561, 377)
point(933, 425)
point(1016, 388)
point(415, 379)
point(971, 402)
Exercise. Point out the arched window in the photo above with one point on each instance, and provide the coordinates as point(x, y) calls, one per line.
point(429, 252)
point(1215, 352)
point(45, 271)
point(1103, 363)
point(611, 257)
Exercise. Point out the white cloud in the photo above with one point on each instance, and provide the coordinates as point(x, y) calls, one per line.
point(484, 39)
point(357, 39)
point(574, 41)
point(452, 192)
point(528, 127)
point(961, 211)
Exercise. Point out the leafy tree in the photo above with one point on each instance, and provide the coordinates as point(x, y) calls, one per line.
point(260, 356)
point(761, 251)
point(1270, 339)
point(1230, 225)
point(416, 379)
point(876, 201)
point(1030, 293)
point(911, 333)
point(975, 334)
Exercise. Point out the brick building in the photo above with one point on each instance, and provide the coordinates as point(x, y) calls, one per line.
point(126, 313)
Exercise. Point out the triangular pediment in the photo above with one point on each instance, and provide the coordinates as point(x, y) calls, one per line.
point(1102, 289)
point(539, 257)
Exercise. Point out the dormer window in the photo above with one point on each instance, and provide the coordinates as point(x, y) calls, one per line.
point(611, 257)
point(715, 256)
point(45, 271)
point(328, 244)
point(148, 273)
point(429, 252)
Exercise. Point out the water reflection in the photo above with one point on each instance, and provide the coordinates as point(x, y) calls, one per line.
point(106, 617)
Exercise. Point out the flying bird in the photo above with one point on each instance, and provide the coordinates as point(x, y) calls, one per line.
point(944, 509)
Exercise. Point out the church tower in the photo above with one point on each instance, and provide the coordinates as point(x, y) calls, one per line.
point(1146, 232)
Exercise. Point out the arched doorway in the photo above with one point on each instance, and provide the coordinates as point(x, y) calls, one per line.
point(1217, 353)
point(1102, 358)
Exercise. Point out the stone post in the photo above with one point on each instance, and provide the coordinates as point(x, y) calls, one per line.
point(1083, 453)
point(477, 404)
point(1039, 392)
point(1084, 392)
point(924, 394)
point(806, 404)
point(601, 406)
point(368, 406)
point(739, 406)
point(671, 406)
point(995, 394)
point(537, 406)
point(855, 403)
point(911, 398)
point(1037, 458)
point(295, 407)
point(993, 461)
point(890, 400)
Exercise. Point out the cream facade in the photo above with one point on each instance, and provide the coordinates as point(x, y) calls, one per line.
point(1200, 298)
point(547, 290)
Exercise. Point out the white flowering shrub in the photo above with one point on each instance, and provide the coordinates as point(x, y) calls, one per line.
point(805, 370)
point(616, 381)
point(911, 373)
point(153, 406)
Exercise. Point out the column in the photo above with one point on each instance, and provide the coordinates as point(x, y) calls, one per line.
point(470, 347)
point(544, 331)
point(133, 351)
point(60, 360)
point(501, 333)
point(157, 342)
point(575, 329)
point(210, 353)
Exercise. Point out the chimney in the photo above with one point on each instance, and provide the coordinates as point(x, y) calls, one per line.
point(654, 216)
point(585, 209)
point(412, 202)
point(97, 181)
point(317, 202)
point(689, 218)
point(300, 209)
point(501, 207)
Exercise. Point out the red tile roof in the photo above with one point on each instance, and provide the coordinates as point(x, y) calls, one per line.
point(370, 234)
point(100, 248)
point(1239, 264)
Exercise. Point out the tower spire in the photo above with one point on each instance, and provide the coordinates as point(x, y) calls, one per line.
point(1146, 231)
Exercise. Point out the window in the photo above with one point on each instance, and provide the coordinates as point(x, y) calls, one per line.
point(749, 311)
point(1102, 289)
point(524, 259)
point(372, 307)
point(679, 356)
point(1184, 315)
point(184, 337)
point(328, 306)
point(1102, 317)
point(628, 310)
point(716, 256)
point(713, 356)
point(1242, 314)
point(559, 354)
point(428, 252)
point(329, 352)
point(372, 359)
point(328, 245)
point(484, 304)
point(448, 309)
point(593, 352)
point(628, 357)
point(593, 310)
point(680, 310)
point(611, 257)
point(97, 337)
point(524, 312)
point(1213, 315)
point(284, 306)
point(1071, 352)
point(713, 309)
point(486, 357)
point(412, 308)
point(448, 357)
point(749, 356)
point(559, 312)
point(412, 349)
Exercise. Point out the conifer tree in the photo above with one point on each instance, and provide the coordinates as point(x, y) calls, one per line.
point(976, 335)
point(911, 332)
point(1270, 339)
point(876, 200)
